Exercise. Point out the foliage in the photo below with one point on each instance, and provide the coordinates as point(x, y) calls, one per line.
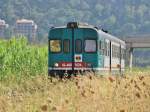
point(19, 58)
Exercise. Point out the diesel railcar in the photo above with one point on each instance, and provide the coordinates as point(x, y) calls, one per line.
point(80, 47)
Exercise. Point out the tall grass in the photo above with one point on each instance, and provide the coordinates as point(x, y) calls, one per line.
point(19, 58)
point(86, 93)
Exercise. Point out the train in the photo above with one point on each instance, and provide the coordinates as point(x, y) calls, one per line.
point(79, 47)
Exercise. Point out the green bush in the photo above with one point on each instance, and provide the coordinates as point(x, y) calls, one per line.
point(17, 57)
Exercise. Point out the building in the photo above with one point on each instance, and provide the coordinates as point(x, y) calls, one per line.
point(26, 28)
point(3, 26)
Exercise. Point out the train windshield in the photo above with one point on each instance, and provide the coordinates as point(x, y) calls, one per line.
point(55, 46)
point(90, 46)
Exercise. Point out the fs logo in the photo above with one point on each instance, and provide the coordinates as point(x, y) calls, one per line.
point(78, 58)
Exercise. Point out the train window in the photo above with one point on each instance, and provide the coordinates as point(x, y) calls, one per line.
point(112, 50)
point(105, 48)
point(108, 47)
point(115, 51)
point(123, 53)
point(100, 45)
point(78, 47)
point(66, 46)
point(90, 46)
point(118, 52)
point(55, 46)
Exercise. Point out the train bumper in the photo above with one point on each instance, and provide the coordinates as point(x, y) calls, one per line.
point(69, 71)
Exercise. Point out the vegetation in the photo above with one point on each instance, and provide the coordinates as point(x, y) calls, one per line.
point(19, 58)
point(88, 93)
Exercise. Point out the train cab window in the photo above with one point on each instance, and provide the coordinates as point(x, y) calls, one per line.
point(90, 46)
point(78, 47)
point(55, 46)
point(66, 46)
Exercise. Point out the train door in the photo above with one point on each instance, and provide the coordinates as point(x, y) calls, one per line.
point(107, 54)
point(83, 47)
point(73, 39)
point(72, 44)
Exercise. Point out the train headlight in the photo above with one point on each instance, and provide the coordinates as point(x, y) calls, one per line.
point(56, 64)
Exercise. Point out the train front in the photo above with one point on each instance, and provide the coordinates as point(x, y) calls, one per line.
point(72, 49)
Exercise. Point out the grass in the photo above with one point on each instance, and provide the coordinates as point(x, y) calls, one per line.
point(80, 94)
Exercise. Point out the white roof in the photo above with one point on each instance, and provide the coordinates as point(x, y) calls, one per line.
point(110, 37)
point(24, 21)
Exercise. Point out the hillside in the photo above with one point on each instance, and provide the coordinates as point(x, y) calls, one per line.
point(118, 16)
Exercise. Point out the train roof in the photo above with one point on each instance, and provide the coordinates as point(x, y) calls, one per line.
point(110, 37)
point(76, 25)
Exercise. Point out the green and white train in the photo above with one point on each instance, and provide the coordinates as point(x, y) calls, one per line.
point(81, 47)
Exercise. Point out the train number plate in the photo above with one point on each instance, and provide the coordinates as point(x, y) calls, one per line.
point(69, 64)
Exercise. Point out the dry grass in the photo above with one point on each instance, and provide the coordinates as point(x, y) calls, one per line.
point(81, 94)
